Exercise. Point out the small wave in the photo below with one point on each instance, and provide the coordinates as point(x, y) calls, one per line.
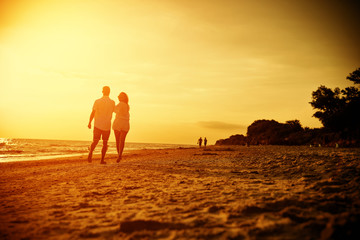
point(6, 142)
point(74, 151)
point(58, 145)
point(43, 150)
point(11, 151)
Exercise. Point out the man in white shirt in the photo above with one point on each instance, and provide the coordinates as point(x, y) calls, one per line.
point(102, 112)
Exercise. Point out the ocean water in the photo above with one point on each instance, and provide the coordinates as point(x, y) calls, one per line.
point(38, 149)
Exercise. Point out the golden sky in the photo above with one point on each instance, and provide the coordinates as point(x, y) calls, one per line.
point(191, 68)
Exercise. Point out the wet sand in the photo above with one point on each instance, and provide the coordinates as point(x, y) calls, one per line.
point(257, 192)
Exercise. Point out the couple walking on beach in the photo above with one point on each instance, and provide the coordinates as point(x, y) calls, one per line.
point(102, 112)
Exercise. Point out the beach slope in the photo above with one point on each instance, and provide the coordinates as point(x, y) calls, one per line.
point(257, 192)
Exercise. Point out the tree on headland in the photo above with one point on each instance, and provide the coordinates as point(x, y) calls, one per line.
point(269, 132)
point(272, 132)
point(354, 76)
point(339, 110)
point(237, 139)
point(329, 104)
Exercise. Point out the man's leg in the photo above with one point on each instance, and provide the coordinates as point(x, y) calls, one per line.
point(96, 139)
point(103, 151)
point(92, 148)
point(105, 138)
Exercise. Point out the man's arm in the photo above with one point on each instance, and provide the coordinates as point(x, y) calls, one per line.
point(92, 115)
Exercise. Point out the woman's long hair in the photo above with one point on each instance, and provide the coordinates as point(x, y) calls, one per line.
point(123, 97)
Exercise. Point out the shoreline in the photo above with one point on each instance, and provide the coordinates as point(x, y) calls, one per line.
point(38, 149)
point(79, 156)
point(214, 192)
point(128, 151)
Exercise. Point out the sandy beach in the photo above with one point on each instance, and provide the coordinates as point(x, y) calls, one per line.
point(257, 192)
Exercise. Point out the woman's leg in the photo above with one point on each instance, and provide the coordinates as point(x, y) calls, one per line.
point(121, 144)
point(117, 138)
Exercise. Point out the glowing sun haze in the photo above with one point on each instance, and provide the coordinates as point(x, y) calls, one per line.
point(190, 68)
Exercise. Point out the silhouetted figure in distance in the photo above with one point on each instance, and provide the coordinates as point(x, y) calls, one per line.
point(102, 113)
point(200, 142)
point(205, 142)
point(121, 123)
